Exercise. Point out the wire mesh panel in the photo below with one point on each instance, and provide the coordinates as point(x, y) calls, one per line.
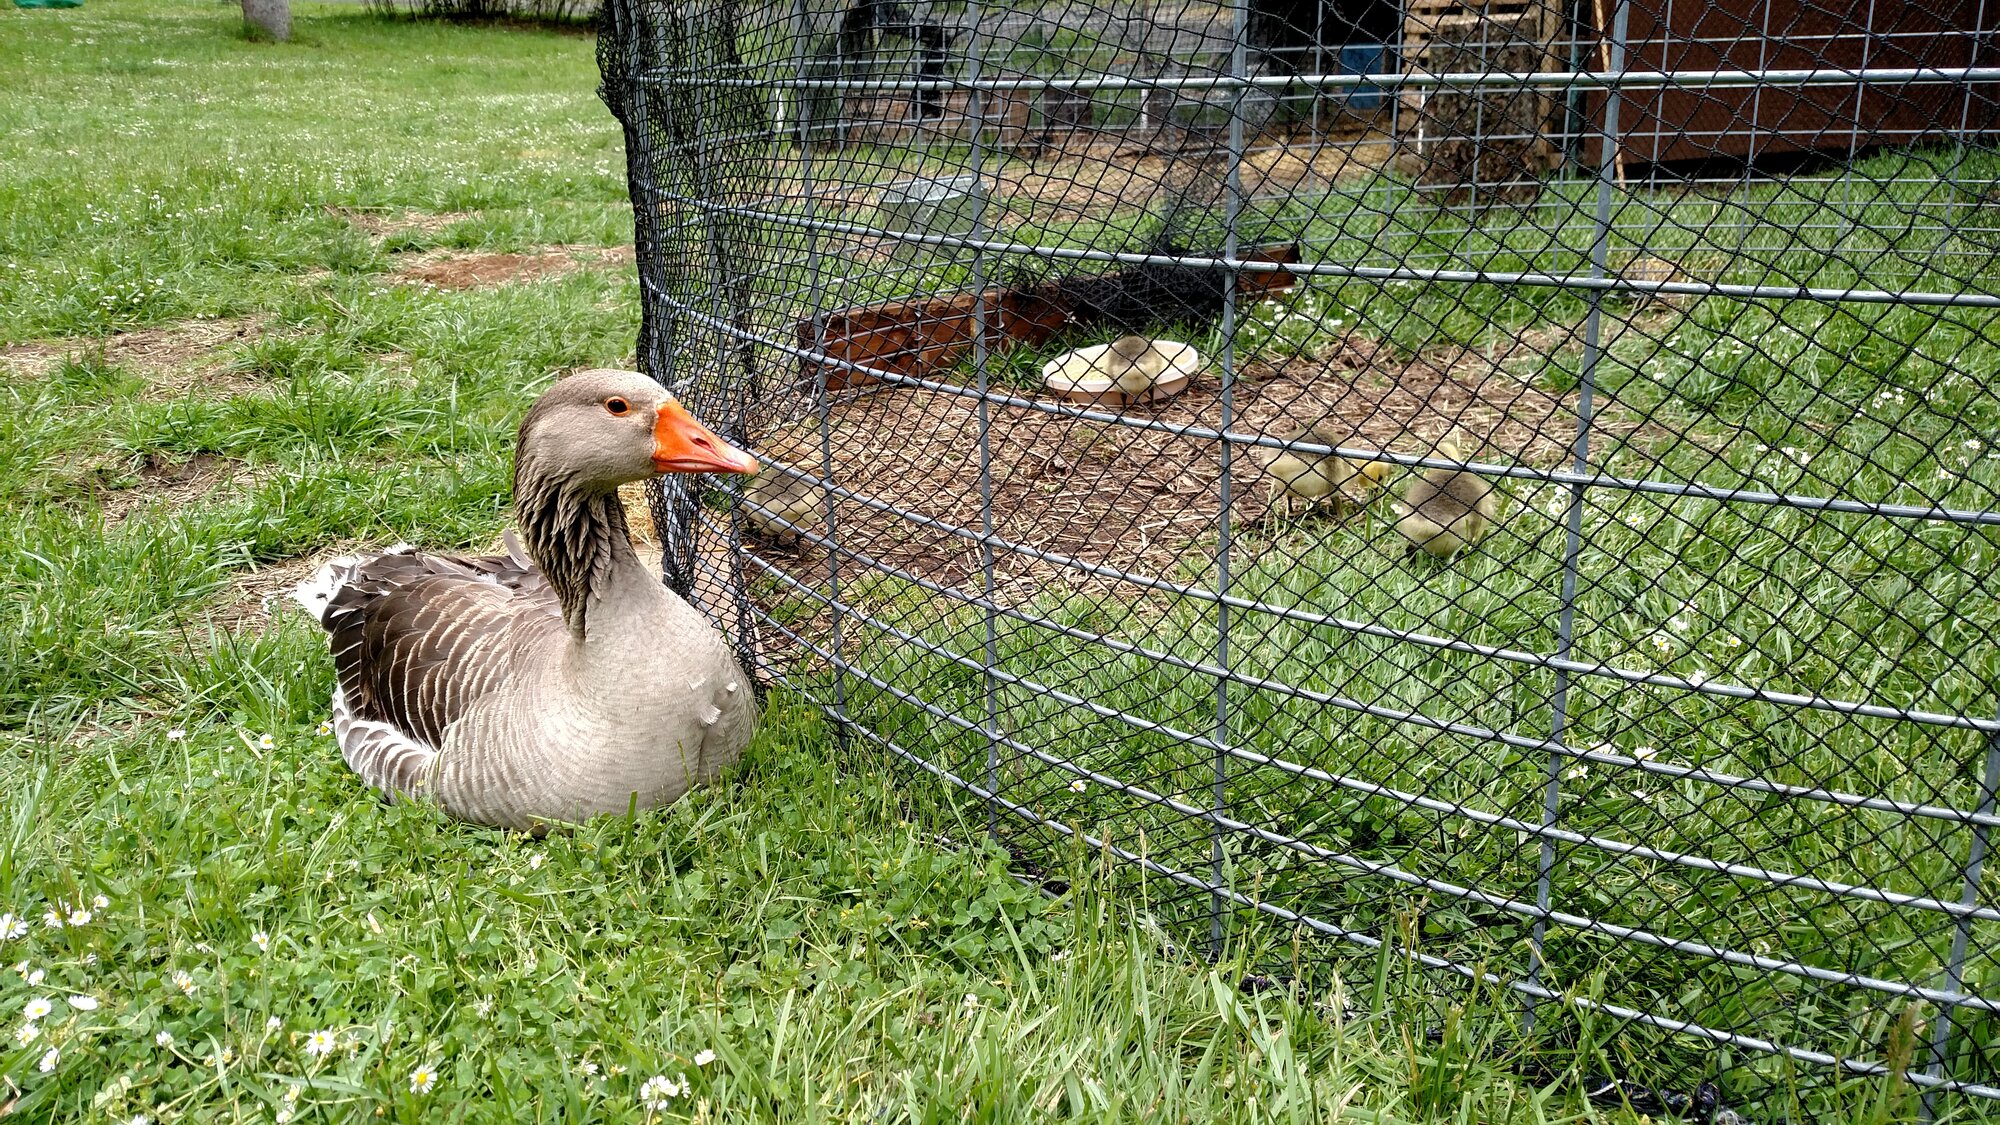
point(1501, 488)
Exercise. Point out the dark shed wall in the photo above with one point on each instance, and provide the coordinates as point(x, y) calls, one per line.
point(1739, 123)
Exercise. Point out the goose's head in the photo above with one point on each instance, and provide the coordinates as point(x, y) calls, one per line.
point(600, 429)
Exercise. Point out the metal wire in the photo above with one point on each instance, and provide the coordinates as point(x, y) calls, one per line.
point(1698, 733)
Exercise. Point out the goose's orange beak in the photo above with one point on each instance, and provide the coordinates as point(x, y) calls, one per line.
point(683, 445)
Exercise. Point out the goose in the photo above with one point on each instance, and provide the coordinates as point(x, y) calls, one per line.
point(1445, 511)
point(561, 679)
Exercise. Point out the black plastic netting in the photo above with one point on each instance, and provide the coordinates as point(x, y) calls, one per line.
point(1678, 322)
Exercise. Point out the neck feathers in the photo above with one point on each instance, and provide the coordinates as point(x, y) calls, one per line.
point(576, 535)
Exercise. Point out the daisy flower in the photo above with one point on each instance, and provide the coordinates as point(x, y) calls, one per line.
point(101, 902)
point(49, 1060)
point(588, 1068)
point(34, 977)
point(283, 1115)
point(703, 1057)
point(83, 1003)
point(535, 861)
point(176, 734)
point(1079, 785)
point(266, 742)
point(139, 1119)
point(37, 1008)
point(325, 727)
point(79, 917)
point(320, 1043)
point(262, 941)
point(27, 1033)
point(53, 919)
point(12, 927)
point(422, 1079)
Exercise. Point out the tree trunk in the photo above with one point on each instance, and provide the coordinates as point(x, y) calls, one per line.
point(270, 17)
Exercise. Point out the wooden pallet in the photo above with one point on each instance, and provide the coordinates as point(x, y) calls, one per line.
point(1439, 127)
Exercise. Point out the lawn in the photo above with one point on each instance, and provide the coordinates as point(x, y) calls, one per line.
point(243, 326)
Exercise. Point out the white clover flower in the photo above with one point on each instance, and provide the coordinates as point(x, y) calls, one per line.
point(37, 1008)
point(262, 941)
point(139, 1119)
point(49, 1060)
point(422, 1079)
point(176, 734)
point(101, 902)
point(1642, 796)
point(1645, 753)
point(658, 1093)
point(1079, 786)
point(273, 1024)
point(1576, 772)
point(183, 981)
point(12, 928)
point(27, 1033)
point(282, 1116)
point(588, 1068)
point(266, 742)
point(163, 1039)
point(320, 1044)
point(703, 1057)
point(83, 1003)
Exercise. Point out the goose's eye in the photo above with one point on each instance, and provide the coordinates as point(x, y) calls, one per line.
point(618, 407)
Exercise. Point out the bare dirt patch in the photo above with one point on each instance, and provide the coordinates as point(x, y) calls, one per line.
point(163, 480)
point(176, 359)
point(1149, 501)
point(382, 224)
point(454, 269)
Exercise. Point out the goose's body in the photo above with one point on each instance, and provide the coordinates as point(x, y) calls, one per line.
point(562, 679)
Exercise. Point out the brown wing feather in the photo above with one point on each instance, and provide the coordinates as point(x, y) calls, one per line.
point(417, 639)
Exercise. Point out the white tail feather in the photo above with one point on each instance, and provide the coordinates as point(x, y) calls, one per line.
point(317, 592)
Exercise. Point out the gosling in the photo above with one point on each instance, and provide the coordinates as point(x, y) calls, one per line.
point(1134, 364)
point(774, 499)
point(1312, 477)
point(1445, 511)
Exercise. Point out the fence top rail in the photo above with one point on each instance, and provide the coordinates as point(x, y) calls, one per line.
point(1417, 79)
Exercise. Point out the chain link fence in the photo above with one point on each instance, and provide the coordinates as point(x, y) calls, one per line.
point(1501, 491)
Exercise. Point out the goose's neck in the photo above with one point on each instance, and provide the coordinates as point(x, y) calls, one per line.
point(577, 536)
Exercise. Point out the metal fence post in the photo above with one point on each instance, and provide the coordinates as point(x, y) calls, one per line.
point(1232, 212)
point(1593, 350)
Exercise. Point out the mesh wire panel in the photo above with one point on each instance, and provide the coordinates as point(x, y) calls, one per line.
point(1543, 534)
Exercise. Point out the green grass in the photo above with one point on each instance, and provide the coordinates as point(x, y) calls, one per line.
point(825, 922)
point(802, 921)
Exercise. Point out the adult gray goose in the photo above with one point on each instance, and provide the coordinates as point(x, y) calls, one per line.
point(556, 681)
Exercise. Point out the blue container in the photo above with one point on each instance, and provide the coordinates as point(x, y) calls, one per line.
point(1364, 58)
